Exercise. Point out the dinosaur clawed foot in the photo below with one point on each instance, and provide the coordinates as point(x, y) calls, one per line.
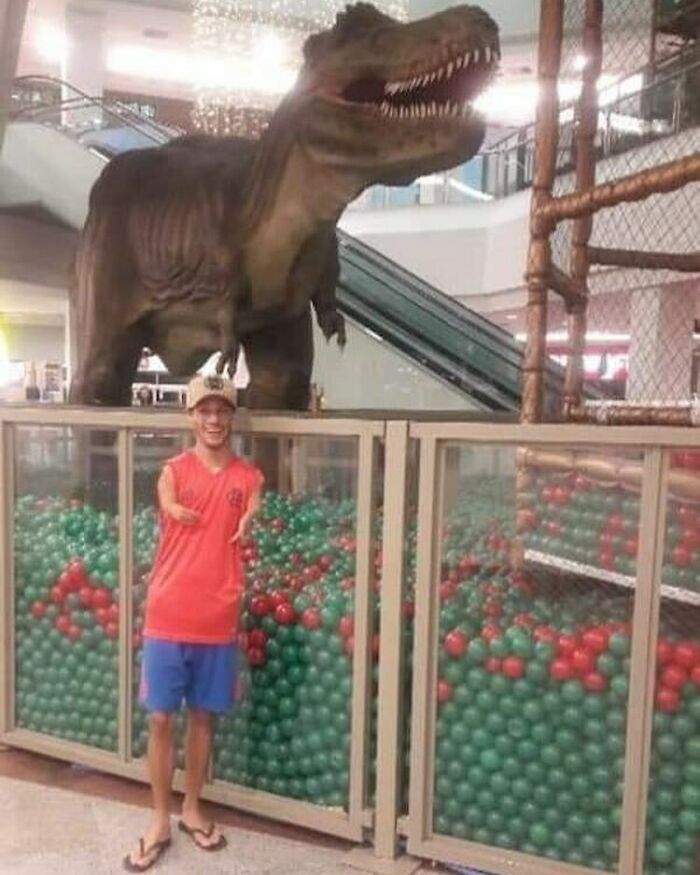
point(332, 324)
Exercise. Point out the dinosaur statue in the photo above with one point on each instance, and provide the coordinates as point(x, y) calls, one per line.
point(207, 243)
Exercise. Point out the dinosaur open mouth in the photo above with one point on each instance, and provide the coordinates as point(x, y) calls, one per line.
point(445, 90)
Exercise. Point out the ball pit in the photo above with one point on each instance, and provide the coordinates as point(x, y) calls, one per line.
point(533, 666)
point(67, 620)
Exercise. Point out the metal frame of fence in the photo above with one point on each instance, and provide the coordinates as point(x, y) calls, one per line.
point(387, 824)
point(348, 825)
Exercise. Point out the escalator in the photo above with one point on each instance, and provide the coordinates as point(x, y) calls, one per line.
point(439, 337)
point(454, 343)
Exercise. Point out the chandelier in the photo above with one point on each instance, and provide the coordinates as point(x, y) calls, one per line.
point(249, 53)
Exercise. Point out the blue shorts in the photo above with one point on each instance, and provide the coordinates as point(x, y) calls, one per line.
point(204, 675)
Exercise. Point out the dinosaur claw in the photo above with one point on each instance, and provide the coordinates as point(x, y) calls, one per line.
point(332, 324)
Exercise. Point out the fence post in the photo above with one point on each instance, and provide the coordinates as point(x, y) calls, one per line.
point(7, 593)
point(125, 475)
point(645, 624)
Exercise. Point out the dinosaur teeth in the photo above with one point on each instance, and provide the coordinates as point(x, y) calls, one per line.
point(450, 68)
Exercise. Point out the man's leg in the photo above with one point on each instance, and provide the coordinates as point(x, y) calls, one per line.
point(162, 690)
point(161, 762)
point(211, 690)
point(198, 748)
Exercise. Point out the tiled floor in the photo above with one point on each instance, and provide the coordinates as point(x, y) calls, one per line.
point(58, 820)
point(51, 831)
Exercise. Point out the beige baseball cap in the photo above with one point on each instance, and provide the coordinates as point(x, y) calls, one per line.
point(201, 387)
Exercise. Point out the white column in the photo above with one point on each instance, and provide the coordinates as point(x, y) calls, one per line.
point(661, 344)
point(83, 63)
point(67, 337)
point(428, 189)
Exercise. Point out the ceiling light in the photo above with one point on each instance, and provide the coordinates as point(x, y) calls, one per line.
point(249, 54)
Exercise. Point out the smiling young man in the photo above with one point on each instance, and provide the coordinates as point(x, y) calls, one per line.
point(207, 495)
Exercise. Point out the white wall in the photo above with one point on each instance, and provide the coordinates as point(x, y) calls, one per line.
point(18, 297)
point(60, 171)
point(13, 189)
point(39, 343)
point(465, 251)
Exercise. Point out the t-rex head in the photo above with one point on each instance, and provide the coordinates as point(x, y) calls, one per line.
point(393, 100)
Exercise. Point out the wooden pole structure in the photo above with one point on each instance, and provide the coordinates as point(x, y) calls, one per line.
point(586, 127)
point(604, 413)
point(539, 254)
point(628, 189)
point(573, 292)
point(606, 470)
point(683, 262)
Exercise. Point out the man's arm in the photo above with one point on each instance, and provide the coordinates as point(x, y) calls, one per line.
point(251, 509)
point(168, 499)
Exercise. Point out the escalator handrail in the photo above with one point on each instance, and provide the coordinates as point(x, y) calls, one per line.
point(466, 342)
point(497, 341)
point(403, 339)
point(421, 287)
point(127, 117)
point(438, 304)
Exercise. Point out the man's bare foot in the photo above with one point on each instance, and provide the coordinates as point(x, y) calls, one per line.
point(202, 831)
point(151, 845)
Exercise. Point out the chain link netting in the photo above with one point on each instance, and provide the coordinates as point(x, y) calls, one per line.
point(646, 119)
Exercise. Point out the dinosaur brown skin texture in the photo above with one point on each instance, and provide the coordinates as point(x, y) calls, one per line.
point(207, 243)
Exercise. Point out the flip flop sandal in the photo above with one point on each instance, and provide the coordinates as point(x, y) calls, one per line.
point(192, 832)
point(159, 847)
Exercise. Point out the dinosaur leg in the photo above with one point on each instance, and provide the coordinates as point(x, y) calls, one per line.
point(107, 367)
point(280, 359)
